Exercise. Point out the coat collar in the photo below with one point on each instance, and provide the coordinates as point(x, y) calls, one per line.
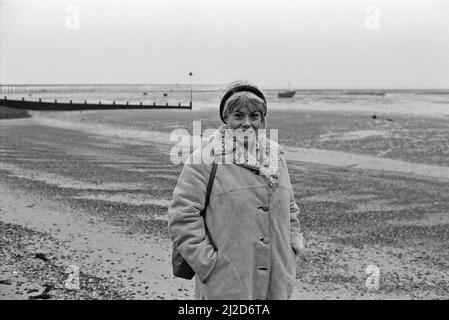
point(266, 161)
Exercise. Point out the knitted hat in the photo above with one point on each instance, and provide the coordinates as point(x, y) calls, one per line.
point(239, 86)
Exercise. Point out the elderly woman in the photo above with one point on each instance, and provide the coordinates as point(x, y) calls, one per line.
point(251, 217)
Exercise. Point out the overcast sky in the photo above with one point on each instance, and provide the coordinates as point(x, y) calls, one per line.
point(310, 43)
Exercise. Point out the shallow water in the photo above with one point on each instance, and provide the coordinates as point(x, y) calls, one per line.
point(430, 103)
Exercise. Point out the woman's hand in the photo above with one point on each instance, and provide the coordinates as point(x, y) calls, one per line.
point(298, 243)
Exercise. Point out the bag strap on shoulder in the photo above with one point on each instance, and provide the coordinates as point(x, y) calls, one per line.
point(206, 203)
point(209, 187)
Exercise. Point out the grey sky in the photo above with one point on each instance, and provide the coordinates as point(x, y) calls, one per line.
point(311, 43)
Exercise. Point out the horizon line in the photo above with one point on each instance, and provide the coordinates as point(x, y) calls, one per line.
point(219, 84)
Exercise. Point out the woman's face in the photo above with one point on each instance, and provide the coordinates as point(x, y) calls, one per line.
point(244, 119)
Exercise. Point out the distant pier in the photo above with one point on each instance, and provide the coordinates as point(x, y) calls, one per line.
point(69, 88)
point(57, 88)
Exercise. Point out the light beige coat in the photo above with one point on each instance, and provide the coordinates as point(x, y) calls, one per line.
point(255, 228)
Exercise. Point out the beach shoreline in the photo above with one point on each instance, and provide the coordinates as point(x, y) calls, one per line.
point(409, 138)
point(339, 157)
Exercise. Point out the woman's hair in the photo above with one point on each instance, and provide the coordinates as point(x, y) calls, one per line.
point(239, 86)
point(245, 100)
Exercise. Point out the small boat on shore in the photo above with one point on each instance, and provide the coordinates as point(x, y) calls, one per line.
point(286, 94)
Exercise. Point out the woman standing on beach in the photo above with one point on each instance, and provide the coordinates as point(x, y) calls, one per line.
point(252, 216)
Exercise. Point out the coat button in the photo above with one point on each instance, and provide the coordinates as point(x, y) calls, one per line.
point(264, 208)
point(266, 240)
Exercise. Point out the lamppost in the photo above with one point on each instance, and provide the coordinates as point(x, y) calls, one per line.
point(190, 75)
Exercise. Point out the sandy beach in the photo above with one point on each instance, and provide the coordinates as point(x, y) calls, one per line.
point(371, 192)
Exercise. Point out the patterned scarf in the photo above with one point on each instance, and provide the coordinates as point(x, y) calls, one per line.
point(266, 159)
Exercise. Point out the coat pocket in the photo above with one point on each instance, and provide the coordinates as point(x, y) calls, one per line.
point(224, 281)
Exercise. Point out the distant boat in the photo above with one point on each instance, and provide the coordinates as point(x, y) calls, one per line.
point(286, 94)
point(165, 94)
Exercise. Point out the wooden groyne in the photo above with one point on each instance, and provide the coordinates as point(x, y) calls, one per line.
point(71, 106)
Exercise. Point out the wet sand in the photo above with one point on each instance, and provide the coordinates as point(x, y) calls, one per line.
point(329, 155)
point(11, 113)
point(417, 139)
point(99, 202)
